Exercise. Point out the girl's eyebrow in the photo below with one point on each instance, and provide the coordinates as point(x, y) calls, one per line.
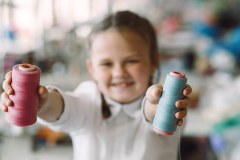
point(134, 55)
point(105, 59)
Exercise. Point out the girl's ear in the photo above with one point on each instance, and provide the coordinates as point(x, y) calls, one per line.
point(90, 67)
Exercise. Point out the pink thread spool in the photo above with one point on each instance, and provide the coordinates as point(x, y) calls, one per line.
point(25, 82)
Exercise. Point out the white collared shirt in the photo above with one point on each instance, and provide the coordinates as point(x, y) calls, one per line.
point(124, 136)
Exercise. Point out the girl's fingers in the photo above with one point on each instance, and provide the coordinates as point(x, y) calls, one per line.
point(43, 94)
point(181, 114)
point(8, 76)
point(187, 90)
point(4, 108)
point(153, 93)
point(7, 83)
point(184, 103)
point(5, 99)
point(7, 87)
point(180, 122)
point(152, 98)
point(42, 91)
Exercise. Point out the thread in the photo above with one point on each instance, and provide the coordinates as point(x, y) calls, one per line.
point(165, 121)
point(25, 82)
point(179, 144)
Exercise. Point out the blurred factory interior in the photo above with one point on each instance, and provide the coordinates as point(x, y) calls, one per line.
point(198, 37)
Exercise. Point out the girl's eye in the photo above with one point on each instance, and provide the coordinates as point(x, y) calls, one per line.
point(106, 64)
point(133, 61)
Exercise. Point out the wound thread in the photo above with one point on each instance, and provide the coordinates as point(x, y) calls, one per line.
point(25, 82)
point(165, 121)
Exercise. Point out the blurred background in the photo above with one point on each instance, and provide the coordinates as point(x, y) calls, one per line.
point(198, 37)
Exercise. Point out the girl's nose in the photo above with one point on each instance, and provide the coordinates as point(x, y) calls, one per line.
point(119, 71)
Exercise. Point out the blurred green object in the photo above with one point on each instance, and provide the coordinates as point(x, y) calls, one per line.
point(225, 138)
point(229, 123)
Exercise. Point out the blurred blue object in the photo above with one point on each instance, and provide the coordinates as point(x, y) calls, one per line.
point(204, 29)
point(230, 42)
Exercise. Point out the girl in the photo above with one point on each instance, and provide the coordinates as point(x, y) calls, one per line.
point(104, 117)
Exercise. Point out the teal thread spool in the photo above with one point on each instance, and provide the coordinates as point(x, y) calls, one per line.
point(165, 121)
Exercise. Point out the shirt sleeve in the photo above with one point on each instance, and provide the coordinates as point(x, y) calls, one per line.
point(79, 111)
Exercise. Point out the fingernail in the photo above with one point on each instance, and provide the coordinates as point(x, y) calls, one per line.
point(40, 91)
point(178, 115)
point(157, 92)
point(188, 91)
point(43, 93)
point(178, 104)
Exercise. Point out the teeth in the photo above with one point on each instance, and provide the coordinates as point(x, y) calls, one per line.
point(121, 84)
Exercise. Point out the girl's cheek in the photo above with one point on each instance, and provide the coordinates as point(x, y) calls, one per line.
point(139, 70)
point(104, 76)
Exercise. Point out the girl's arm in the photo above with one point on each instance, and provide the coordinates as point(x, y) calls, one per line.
point(51, 104)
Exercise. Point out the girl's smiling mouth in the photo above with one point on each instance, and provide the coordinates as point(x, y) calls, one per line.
point(122, 84)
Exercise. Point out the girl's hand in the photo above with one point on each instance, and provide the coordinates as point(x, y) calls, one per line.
point(8, 90)
point(5, 101)
point(152, 99)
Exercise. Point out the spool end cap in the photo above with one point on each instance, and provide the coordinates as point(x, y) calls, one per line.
point(158, 131)
point(26, 67)
point(177, 74)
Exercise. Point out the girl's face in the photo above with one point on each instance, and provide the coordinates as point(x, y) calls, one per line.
point(120, 64)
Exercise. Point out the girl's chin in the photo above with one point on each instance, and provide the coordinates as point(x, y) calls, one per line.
point(125, 99)
point(125, 96)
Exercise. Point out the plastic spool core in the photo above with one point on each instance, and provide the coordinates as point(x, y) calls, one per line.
point(177, 74)
point(26, 67)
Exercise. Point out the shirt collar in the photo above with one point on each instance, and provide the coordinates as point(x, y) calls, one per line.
point(132, 109)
